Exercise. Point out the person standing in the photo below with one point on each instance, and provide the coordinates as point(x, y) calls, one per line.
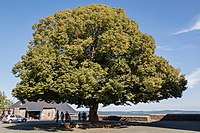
point(84, 116)
point(79, 116)
point(57, 116)
point(62, 116)
point(67, 117)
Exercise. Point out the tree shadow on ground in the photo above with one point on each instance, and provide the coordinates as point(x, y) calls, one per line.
point(51, 126)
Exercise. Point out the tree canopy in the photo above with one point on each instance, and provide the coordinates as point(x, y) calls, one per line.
point(94, 54)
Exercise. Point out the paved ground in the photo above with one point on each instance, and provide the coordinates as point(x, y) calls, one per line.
point(156, 127)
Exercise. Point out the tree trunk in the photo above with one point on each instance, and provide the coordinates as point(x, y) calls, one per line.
point(93, 116)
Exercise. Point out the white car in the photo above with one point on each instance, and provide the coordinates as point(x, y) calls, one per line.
point(13, 118)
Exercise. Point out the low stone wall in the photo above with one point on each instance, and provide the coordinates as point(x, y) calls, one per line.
point(153, 117)
point(156, 117)
point(135, 118)
point(121, 118)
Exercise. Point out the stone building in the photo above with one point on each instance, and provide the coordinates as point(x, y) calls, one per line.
point(40, 110)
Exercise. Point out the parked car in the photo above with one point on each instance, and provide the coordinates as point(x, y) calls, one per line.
point(13, 118)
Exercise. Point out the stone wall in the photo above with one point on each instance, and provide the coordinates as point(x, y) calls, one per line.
point(135, 118)
point(120, 118)
point(21, 112)
point(156, 117)
point(127, 118)
point(48, 114)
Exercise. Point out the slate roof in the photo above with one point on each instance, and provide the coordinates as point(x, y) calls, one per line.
point(40, 105)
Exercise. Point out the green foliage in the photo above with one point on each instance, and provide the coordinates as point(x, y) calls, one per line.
point(94, 54)
point(4, 102)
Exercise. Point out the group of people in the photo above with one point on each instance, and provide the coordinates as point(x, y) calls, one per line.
point(62, 116)
point(82, 116)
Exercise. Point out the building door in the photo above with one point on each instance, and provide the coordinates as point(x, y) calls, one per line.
point(33, 114)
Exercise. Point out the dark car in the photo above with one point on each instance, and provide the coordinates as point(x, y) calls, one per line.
point(13, 118)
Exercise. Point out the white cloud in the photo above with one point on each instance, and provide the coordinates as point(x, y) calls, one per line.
point(190, 46)
point(193, 79)
point(196, 26)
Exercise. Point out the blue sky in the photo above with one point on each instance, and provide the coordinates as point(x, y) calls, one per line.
point(174, 24)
